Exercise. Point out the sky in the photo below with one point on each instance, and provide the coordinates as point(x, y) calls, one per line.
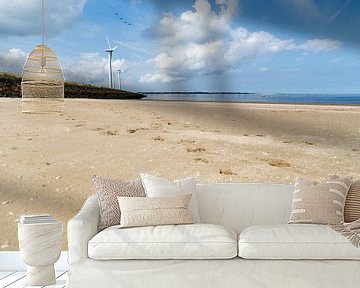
point(264, 46)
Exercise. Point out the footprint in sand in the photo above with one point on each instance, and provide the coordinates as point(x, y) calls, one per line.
point(195, 149)
point(110, 133)
point(158, 138)
point(227, 172)
point(259, 135)
point(132, 131)
point(277, 162)
point(355, 150)
point(202, 160)
point(211, 131)
point(287, 141)
point(309, 143)
point(99, 129)
point(182, 141)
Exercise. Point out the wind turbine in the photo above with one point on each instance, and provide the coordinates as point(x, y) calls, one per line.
point(110, 51)
point(119, 77)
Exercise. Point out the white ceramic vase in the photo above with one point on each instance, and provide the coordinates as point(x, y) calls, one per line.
point(40, 247)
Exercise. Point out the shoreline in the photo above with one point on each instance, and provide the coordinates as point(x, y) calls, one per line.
point(202, 101)
point(252, 102)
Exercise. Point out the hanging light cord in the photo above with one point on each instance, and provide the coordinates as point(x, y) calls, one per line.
point(43, 58)
point(43, 22)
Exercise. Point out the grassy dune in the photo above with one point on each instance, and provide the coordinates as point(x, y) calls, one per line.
point(10, 86)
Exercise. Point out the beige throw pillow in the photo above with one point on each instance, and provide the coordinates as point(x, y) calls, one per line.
point(138, 211)
point(107, 190)
point(319, 203)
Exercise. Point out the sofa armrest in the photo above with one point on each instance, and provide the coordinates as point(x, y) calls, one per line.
point(82, 228)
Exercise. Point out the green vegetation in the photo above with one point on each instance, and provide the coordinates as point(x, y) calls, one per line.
point(10, 86)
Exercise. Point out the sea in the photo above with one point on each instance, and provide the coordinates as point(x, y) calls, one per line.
point(325, 99)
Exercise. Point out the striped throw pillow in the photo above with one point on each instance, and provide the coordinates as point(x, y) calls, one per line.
point(319, 203)
point(352, 203)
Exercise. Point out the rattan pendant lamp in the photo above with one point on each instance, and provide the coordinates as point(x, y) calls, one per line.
point(42, 83)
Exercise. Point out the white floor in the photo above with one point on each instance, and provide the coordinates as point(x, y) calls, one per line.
point(13, 271)
point(16, 279)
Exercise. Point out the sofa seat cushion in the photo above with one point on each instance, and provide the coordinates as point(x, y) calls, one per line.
point(191, 241)
point(295, 241)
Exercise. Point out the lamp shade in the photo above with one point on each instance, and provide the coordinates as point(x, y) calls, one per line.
point(42, 82)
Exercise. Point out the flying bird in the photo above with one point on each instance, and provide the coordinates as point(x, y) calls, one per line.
point(116, 13)
point(121, 18)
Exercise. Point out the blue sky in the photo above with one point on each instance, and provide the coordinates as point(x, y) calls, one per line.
point(269, 46)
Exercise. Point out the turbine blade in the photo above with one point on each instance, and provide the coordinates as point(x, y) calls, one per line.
point(115, 47)
point(108, 42)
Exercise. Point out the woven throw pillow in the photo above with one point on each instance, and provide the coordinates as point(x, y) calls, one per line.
point(107, 190)
point(352, 203)
point(139, 211)
point(158, 187)
point(319, 203)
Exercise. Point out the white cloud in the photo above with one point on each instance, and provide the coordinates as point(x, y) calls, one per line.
point(22, 18)
point(320, 45)
point(13, 60)
point(158, 77)
point(202, 41)
point(91, 68)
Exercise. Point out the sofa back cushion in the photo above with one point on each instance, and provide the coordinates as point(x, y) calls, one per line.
point(239, 205)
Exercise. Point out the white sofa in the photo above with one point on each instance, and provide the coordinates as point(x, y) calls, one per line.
point(249, 245)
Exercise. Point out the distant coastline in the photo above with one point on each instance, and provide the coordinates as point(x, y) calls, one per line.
point(247, 97)
point(196, 92)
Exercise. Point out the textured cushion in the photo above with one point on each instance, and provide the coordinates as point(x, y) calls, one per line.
point(302, 241)
point(193, 241)
point(320, 203)
point(143, 211)
point(352, 203)
point(157, 187)
point(107, 190)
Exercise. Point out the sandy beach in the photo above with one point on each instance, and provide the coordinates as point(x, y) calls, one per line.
point(46, 160)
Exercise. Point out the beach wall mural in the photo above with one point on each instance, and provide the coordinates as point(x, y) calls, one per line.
point(224, 90)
